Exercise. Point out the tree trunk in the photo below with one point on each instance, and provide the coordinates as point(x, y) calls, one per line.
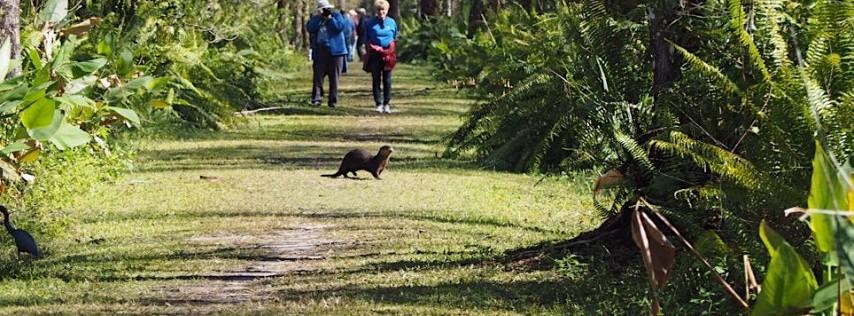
point(282, 9)
point(428, 8)
point(475, 18)
point(451, 8)
point(495, 6)
point(666, 63)
point(10, 28)
point(300, 36)
point(394, 10)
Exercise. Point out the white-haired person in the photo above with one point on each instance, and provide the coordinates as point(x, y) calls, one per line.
point(328, 29)
point(380, 34)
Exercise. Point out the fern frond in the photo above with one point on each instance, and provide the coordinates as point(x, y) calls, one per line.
point(780, 52)
point(738, 23)
point(637, 152)
point(722, 162)
point(701, 66)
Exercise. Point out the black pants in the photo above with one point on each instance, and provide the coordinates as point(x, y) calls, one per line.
point(325, 65)
point(378, 73)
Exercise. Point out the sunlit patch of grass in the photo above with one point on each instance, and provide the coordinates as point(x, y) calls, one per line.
point(426, 239)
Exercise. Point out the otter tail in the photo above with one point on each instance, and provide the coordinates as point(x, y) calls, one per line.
point(334, 175)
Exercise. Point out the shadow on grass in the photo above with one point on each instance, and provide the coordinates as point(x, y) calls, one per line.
point(243, 156)
point(479, 294)
point(341, 214)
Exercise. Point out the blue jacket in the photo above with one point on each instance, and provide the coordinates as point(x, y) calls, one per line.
point(381, 34)
point(337, 28)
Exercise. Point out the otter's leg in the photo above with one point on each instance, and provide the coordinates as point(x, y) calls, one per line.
point(376, 175)
point(354, 173)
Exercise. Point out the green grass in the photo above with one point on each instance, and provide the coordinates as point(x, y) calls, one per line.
point(240, 221)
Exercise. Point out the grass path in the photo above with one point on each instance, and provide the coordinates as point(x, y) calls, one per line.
point(241, 222)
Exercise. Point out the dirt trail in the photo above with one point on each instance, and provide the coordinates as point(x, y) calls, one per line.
point(288, 251)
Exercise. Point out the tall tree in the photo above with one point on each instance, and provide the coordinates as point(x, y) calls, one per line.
point(451, 7)
point(394, 9)
point(10, 13)
point(666, 63)
point(495, 5)
point(475, 17)
point(428, 8)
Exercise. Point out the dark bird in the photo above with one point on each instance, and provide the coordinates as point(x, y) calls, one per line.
point(23, 239)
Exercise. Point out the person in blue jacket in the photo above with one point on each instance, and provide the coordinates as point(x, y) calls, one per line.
point(329, 49)
point(380, 34)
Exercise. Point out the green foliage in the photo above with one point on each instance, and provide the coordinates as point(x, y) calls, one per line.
point(731, 138)
point(62, 178)
point(215, 57)
point(789, 284)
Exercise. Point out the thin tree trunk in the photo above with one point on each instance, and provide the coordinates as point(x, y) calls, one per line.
point(451, 8)
point(666, 62)
point(428, 8)
point(394, 9)
point(495, 6)
point(475, 18)
point(282, 9)
point(10, 28)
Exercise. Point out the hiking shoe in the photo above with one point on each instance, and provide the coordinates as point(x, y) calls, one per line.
point(379, 109)
point(387, 109)
point(315, 103)
point(331, 105)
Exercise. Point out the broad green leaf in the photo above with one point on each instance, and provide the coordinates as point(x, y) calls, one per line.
point(104, 47)
point(42, 76)
point(158, 104)
point(156, 83)
point(80, 84)
point(20, 145)
point(30, 156)
point(33, 55)
point(39, 114)
point(16, 94)
point(124, 64)
point(70, 136)
point(46, 132)
point(75, 100)
point(33, 95)
point(827, 192)
point(828, 294)
point(5, 58)
point(83, 68)
point(789, 284)
point(54, 11)
point(10, 85)
point(137, 83)
point(127, 89)
point(128, 114)
point(10, 107)
point(845, 246)
point(62, 62)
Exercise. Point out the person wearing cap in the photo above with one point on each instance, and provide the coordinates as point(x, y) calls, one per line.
point(380, 34)
point(329, 49)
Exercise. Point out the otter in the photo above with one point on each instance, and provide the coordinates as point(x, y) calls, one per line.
point(360, 159)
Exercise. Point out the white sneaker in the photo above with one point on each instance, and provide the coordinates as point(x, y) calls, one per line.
point(379, 108)
point(387, 108)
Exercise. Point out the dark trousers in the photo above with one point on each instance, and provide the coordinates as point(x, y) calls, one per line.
point(380, 75)
point(326, 65)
